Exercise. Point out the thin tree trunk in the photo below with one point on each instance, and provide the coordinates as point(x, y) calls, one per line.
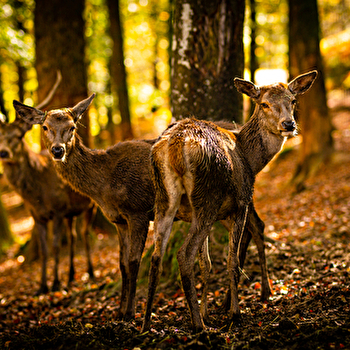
point(6, 237)
point(21, 78)
point(314, 117)
point(207, 56)
point(2, 101)
point(60, 45)
point(253, 62)
point(118, 72)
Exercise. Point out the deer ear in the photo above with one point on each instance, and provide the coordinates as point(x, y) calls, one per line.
point(248, 88)
point(302, 83)
point(81, 107)
point(28, 114)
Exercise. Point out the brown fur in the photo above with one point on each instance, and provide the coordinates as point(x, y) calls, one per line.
point(119, 181)
point(216, 170)
point(33, 177)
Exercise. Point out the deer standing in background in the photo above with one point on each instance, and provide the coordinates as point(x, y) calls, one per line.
point(215, 170)
point(45, 194)
point(118, 180)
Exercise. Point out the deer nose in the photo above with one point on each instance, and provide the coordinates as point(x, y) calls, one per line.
point(57, 151)
point(4, 154)
point(289, 125)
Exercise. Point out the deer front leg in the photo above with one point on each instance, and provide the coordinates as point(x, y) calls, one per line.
point(205, 267)
point(123, 234)
point(72, 234)
point(89, 216)
point(59, 224)
point(138, 233)
point(256, 227)
point(41, 229)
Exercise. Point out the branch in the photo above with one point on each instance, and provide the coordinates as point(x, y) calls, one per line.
point(51, 93)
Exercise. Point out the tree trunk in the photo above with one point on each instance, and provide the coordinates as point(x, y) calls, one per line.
point(3, 110)
point(207, 56)
point(118, 72)
point(6, 237)
point(314, 118)
point(253, 62)
point(21, 79)
point(60, 45)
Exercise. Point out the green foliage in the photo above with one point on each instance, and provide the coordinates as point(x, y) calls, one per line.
point(147, 40)
point(16, 35)
point(271, 34)
point(335, 42)
point(146, 27)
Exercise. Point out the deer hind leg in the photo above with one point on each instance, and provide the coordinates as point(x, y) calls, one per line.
point(195, 239)
point(256, 227)
point(89, 216)
point(205, 267)
point(72, 234)
point(59, 225)
point(164, 217)
point(123, 236)
point(41, 229)
point(138, 229)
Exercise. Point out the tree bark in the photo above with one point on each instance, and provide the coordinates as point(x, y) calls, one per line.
point(118, 71)
point(3, 110)
point(6, 237)
point(313, 114)
point(207, 56)
point(253, 62)
point(60, 45)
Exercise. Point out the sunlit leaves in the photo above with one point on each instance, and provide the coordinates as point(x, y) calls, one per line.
point(16, 41)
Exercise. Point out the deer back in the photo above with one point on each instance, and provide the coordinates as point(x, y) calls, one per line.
point(205, 160)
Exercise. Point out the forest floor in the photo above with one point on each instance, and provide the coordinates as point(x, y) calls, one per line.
point(308, 262)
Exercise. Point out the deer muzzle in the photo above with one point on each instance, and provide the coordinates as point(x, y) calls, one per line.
point(58, 152)
point(288, 127)
point(4, 154)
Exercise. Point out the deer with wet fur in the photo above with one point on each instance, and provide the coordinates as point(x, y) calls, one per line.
point(215, 170)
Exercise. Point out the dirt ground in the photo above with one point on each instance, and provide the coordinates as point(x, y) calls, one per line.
point(308, 259)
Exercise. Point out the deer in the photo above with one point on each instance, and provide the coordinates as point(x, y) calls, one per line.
point(46, 196)
point(118, 179)
point(214, 170)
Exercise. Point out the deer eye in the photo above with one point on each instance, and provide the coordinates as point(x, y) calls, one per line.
point(44, 127)
point(264, 105)
point(72, 129)
point(294, 102)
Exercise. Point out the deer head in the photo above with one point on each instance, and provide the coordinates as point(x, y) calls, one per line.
point(275, 103)
point(58, 125)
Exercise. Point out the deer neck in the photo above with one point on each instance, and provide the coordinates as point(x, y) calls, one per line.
point(81, 168)
point(25, 169)
point(258, 144)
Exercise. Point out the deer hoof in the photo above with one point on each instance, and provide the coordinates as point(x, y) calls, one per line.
point(56, 286)
point(42, 290)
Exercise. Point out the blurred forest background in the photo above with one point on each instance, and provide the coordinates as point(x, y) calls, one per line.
point(122, 50)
